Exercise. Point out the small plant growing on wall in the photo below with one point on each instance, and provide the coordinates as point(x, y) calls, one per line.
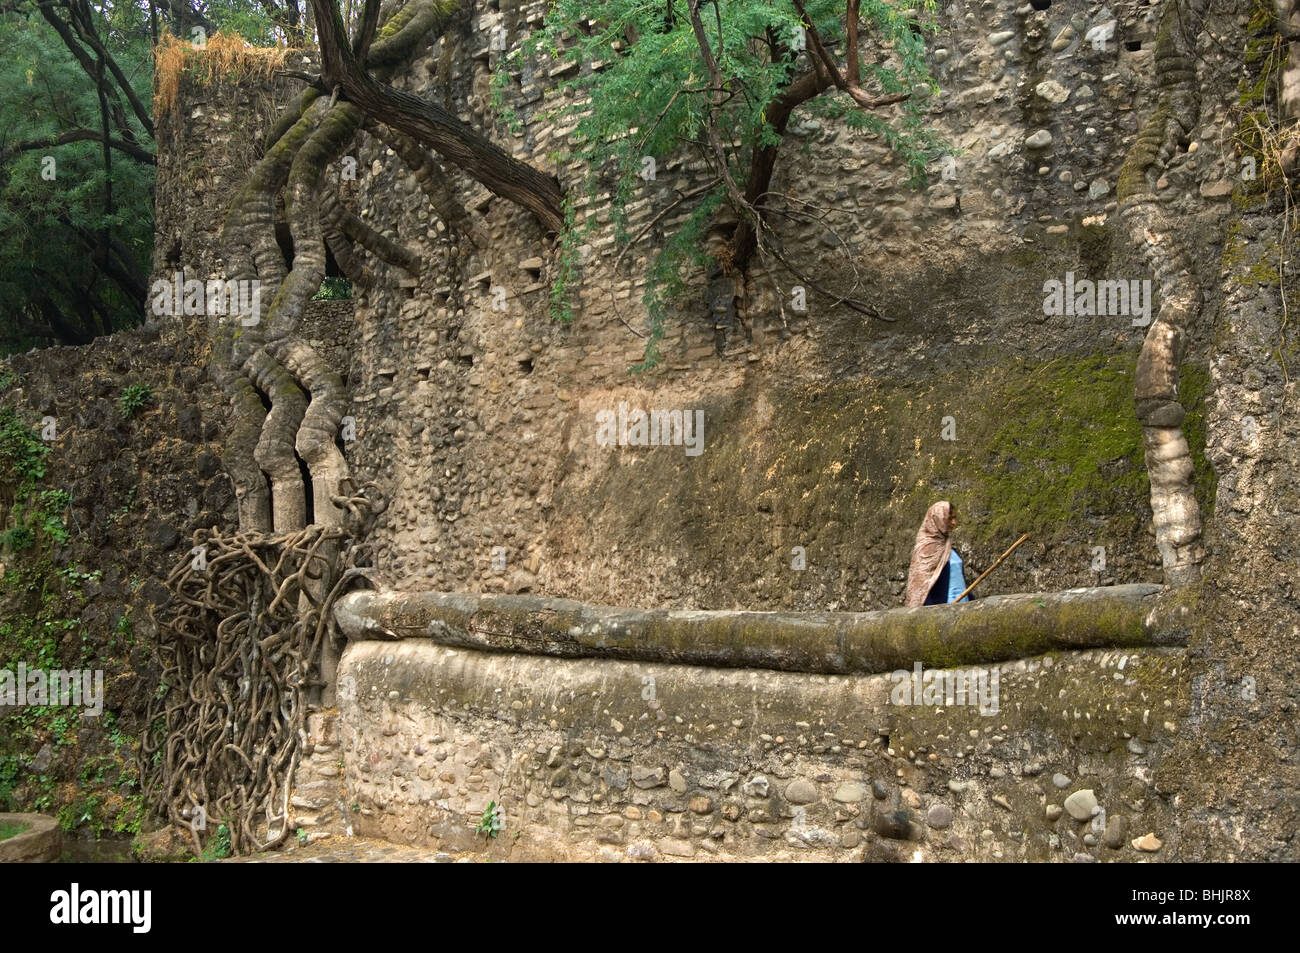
point(218, 848)
point(492, 820)
point(334, 289)
point(134, 396)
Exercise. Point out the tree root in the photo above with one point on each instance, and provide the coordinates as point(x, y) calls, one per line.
point(240, 638)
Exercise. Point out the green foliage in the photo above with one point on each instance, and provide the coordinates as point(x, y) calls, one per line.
point(334, 289)
point(218, 847)
point(248, 18)
point(53, 504)
point(134, 396)
point(643, 90)
point(489, 824)
point(53, 215)
point(22, 466)
point(17, 538)
point(22, 453)
point(9, 772)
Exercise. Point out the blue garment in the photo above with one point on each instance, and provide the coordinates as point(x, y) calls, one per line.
point(956, 580)
point(950, 584)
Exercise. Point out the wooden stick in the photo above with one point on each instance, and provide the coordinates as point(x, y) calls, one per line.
point(991, 568)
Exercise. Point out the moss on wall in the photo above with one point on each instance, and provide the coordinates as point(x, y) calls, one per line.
point(847, 468)
point(1036, 446)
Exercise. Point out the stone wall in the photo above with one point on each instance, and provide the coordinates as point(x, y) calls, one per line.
point(613, 761)
point(822, 430)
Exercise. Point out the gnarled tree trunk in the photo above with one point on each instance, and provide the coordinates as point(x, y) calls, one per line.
point(1175, 512)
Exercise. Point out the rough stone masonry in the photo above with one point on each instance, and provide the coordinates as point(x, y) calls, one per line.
point(481, 428)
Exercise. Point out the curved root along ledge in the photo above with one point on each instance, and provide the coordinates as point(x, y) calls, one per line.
point(995, 629)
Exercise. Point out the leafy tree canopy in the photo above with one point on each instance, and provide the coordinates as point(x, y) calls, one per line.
point(721, 80)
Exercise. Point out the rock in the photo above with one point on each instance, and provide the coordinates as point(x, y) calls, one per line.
point(957, 787)
point(1090, 840)
point(755, 786)
point(1054, 811)
point(1080, 804)
point(1097, 188)
point(44, 758)
point(879, 790)
point(1082, 858)
point(1052, 91)
point(801, 792)
point(640, 851)
point(646, 777)
point(1060, 780)
point(1063, 39)
point(1217, 190)
point(941, 55)
point(939, 816)
point(850, 792)
point(207, 464)
point(1148, 843)
point(850, 839)
point(1001, 801)
point(677, 781)
point(1135, 747)
point(161, 534)
point(1116, 830)
point(1002, 36)
point(616, 778)
point(896, 825)
point(1039, 140)
point(675, 847)
point(912, 799)
point(700, 804)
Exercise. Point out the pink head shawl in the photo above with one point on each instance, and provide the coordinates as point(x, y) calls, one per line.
point(930, 554)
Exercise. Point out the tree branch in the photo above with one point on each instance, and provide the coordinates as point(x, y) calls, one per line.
point(365, 35)
point(76, 135)
point(435, 127)
point(86, 30)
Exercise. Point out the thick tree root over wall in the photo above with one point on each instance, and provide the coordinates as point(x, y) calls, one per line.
point(239, 646)
point(986, 630)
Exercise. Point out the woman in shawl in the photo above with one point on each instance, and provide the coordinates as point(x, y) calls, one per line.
point(935, 576)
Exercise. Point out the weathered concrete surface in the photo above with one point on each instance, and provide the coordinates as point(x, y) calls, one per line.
point(39, 844)
point(595, 759)
point(985, 630)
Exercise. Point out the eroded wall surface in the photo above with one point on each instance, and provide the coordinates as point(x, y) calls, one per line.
point(823, 430)
point(604, 760)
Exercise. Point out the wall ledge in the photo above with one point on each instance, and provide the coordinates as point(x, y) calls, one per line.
point(995, 629)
